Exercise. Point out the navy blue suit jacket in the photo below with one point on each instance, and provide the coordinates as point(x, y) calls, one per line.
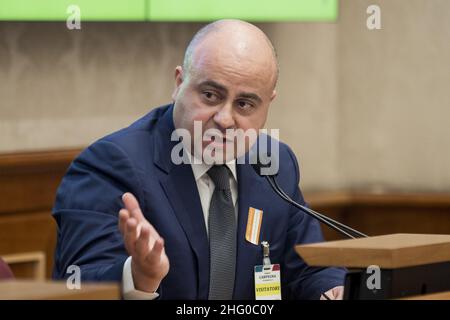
point(137, 159)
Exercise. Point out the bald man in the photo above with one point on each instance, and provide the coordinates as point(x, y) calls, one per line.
point(128, 210)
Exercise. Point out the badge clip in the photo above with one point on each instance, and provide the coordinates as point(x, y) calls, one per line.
point(267, 277)
point(266, 253)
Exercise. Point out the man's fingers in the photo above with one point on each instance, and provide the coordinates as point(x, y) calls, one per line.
point(327, 295)
point(142, 243)
point(158, 246)
point(124, 215)
point(339, 293)
point(154, 255)
point(132, 205)
point(153, 233)
point(138, 232)
point(134, 211)
point(130, 201)
point(130, 236)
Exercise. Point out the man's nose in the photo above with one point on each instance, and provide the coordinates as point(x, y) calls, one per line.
point(224, 117)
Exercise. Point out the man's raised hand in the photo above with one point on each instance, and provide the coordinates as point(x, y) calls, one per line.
point(149, 263)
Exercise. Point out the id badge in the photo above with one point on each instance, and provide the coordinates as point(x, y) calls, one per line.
point(267, 282)
point(267, 278)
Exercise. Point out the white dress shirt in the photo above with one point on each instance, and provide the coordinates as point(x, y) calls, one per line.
point(205, 188)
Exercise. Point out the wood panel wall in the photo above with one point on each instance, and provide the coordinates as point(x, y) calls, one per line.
point(28, 182)
point(384, 213)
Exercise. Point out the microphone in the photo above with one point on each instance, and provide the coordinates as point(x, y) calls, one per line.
point(261, 170)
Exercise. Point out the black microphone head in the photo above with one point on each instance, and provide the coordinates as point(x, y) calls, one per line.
point(257, 168)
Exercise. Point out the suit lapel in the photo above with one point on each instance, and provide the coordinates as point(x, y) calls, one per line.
point(247, 253)
point(181, 190)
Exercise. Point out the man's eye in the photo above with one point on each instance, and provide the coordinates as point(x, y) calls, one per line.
point(244, 104)
point(210, 96)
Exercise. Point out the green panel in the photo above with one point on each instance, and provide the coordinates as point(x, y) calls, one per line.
point(56, 10)
point(171, 10)
point(250, 10)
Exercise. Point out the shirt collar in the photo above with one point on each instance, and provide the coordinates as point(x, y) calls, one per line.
point(199, 169)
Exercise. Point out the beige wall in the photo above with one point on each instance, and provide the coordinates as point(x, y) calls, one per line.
point(306, 109)
point(361, 109)
point(63, 88)
point(394, 96)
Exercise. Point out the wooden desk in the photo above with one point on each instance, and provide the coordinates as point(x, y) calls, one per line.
point(407, 264)
point(391, 251)
point(431, 296)
point(37, 290)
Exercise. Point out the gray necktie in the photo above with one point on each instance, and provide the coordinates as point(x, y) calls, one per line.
point(222, 236)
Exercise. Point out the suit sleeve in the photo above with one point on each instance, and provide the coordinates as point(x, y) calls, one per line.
point(303, 281)
point(86, 211)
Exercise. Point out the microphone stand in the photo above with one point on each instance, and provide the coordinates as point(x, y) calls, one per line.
point(339, 227)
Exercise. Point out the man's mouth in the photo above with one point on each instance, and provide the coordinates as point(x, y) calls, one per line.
point(218, 141)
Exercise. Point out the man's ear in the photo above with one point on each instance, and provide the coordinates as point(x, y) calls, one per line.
point(178, 81)
point(274, 94)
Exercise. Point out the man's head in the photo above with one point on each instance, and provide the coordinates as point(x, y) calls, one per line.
point(227, 81)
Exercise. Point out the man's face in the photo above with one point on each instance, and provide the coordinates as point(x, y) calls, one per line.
point(222, 92)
